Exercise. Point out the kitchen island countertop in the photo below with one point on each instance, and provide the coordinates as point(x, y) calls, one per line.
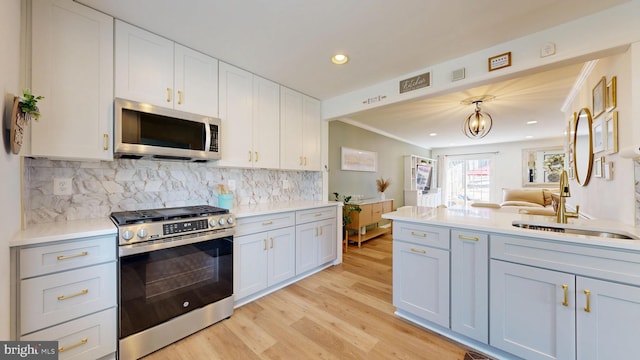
point(495, 221)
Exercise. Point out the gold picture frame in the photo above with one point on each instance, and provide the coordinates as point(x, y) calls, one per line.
point(598, 100)
point(611, 133)
point(500, 61)
point(612, 95)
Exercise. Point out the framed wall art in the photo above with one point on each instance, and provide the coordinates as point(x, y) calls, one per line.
point(500, 61)
point(598, 136)
point(358, 160)
point(598, 93)
point(612, 96)
point(611, 133)
point(597, 166)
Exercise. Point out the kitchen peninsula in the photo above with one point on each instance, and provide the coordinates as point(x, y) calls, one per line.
point(472, 276)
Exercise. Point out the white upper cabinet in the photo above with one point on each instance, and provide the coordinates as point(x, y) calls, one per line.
point(72, 67)
point(300, 131)
point(155, 70)
point(250, 114)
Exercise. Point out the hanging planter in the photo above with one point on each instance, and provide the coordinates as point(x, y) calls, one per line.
point(25, 109)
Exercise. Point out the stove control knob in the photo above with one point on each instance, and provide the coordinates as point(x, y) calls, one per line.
point(221, 221)
point(127, 235)
point(213, 223)
point(230, 221)
point(142, 233)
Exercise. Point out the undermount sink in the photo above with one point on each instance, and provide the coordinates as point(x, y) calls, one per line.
point(569, 230)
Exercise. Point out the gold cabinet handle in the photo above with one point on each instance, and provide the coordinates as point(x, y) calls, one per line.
point(300, 160)
point(565, 290)
point(65, 297)
point(588, 295)
point(413, 233)
point(419, 251)
point(63, 348)
point(265, 223)
point(106, 142)
point(271, 243)
point(471, 238)
point(305, 161)
point(168, 95)
point(179, 97)
point(65, 257)
point(256, 156)
point(265, 244)
point(250, 156)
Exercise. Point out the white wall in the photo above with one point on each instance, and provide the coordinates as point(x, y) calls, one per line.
point(9, 164)
point(601, 198)
point(507, 161)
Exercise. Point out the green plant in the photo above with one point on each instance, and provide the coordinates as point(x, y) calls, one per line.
point(29, 103)
point(347, 209)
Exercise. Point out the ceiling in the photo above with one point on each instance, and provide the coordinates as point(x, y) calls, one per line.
point(291, 42)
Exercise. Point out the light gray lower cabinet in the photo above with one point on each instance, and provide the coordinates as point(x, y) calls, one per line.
point(315, 238)
point(421, 271)
point(66, 291)
point(470, 284)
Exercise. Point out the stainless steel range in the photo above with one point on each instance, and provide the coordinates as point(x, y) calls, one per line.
point(176, 274)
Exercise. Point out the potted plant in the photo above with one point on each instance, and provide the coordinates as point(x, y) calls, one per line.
point(28, 105)
point(347, 209)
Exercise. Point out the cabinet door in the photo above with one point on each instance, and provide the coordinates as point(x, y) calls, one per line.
point(196, 82)
point(311, 134)
point(72, 67)
point(250, 264)
point(421, 281)
point(266, 123)
point(528, 315)
point(282, 255)
point(236, 99)
point(470, 284)
point(306, 247)
point(327, 246)
point(290, 129)
point(144, 66)
point(609, 330)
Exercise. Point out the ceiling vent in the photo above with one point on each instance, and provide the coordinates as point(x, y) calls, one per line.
point(457, 74)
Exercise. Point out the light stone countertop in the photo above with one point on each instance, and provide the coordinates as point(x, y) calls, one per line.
point(75, 229)
point(495, 221)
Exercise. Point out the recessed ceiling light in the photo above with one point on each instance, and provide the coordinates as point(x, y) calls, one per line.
point(339, 59)
point(532, 122)
point(433, 134)
point(528, 137)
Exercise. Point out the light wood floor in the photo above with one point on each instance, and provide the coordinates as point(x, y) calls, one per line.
point(344, 312)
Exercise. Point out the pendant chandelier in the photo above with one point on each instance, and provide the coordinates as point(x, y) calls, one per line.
point(479, 123)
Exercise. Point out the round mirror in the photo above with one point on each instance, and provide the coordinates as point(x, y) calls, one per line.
point(583, 147)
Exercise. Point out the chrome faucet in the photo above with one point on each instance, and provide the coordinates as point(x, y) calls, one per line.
point(562, 213)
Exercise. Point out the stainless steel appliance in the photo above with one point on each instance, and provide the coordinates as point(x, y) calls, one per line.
point(175, 274)
point(148, 131)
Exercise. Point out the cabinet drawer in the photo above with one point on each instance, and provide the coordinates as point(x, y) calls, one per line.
point(421, 234)
point(305, 216)
point(376, 212)
point(601, 263)
point(90, 337)
point(48, 259)
point(254, 224)
point(53, 299)
point(387, 206)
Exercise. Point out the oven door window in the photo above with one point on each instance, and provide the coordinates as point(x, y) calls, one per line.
point(160, 285)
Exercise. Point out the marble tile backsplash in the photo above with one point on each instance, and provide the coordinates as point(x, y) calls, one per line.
point(99, 188)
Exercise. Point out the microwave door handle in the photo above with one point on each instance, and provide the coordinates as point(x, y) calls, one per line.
point(207, 136)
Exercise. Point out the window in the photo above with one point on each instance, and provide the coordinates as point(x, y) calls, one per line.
point(467, 179)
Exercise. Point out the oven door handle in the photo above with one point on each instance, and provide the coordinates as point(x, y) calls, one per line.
point(149, 246)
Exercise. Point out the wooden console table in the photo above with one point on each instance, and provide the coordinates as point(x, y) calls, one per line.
point(371, 214)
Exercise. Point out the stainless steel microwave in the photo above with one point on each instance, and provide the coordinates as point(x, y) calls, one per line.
point(148, 131)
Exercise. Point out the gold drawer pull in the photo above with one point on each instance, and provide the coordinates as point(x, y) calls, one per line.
point(65, 297)
point(419, 251)
point(588, 307)
point(472, 238)
point(65, 257)
point(413, 233)
point(267, 223)
point(318, 214)
point(82, 342)
point(565, 290)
